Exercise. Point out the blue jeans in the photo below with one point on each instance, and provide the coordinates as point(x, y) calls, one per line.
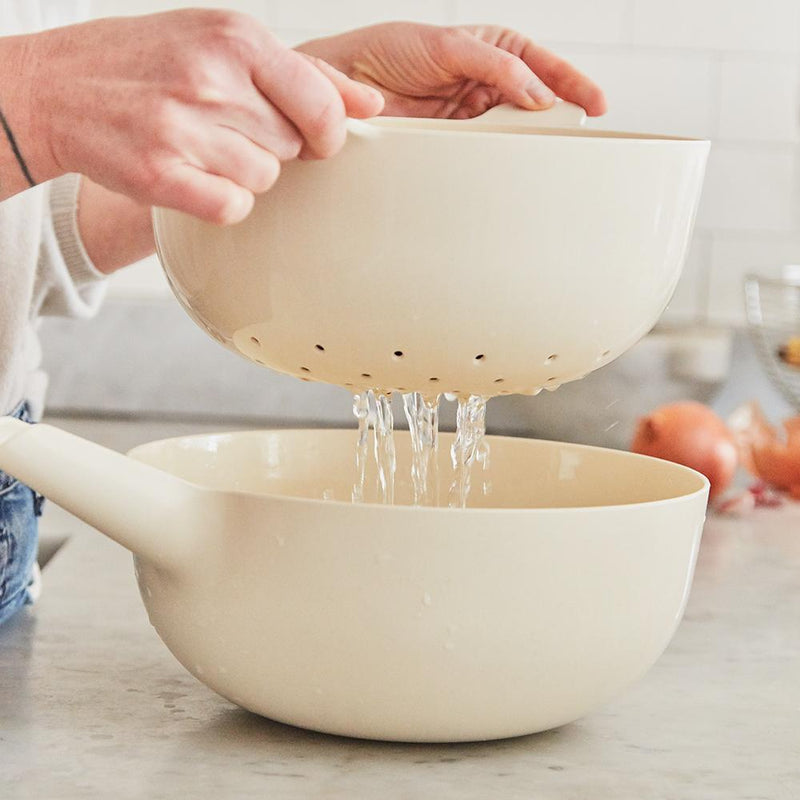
point(20, 508)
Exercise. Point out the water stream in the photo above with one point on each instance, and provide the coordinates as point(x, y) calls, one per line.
point(374, 410)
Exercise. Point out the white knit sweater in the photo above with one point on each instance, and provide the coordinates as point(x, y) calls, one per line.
point(44, 268)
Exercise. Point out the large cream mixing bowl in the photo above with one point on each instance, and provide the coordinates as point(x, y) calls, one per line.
point(489, 256)
point(391, 622)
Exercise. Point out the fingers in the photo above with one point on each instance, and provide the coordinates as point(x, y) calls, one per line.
point(212, 198)
point(360, 100)
point(490, 65)
point(317, 111)
point(566, 81)
point(228, 153)
point(264, 124)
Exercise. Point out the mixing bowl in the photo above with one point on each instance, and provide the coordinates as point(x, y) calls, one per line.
point(490, 256)
point(555, 590)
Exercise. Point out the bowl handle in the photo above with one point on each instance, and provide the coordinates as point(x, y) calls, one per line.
point(146, 510)
point(561, 114)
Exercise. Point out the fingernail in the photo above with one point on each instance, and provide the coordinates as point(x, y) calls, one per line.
point(539, 93)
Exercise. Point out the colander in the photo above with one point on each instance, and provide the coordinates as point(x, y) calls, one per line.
point(773, 316)
point(489, 256)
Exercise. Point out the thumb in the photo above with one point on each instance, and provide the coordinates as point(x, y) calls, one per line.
point(360, 100)
point(469, 57)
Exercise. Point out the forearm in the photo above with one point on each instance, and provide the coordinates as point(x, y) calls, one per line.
point(25, 159)
point(115, 230)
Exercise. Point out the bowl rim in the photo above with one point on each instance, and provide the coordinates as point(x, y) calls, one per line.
point(703, 487)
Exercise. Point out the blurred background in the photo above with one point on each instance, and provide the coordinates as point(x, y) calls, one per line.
point(727, 70)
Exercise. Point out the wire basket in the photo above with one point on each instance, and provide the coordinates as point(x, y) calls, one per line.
point(773, 316)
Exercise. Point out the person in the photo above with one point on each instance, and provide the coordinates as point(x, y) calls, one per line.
point(193, 110)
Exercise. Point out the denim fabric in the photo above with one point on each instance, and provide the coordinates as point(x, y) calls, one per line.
point(19, 509)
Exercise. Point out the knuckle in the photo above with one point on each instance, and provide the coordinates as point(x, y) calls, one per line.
point(447, 40)
point(232, 31)
point(326, 130)
point(224, 23)
point(152, 177)
point(511, 70)
point(562, 72)
point(163, 117)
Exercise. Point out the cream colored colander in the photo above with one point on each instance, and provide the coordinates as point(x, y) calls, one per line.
point(490, 256)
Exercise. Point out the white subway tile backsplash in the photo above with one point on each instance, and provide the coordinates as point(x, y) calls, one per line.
point(733, 256)
point(758, 99)
point(554, 20)
point(651, 91)
point(339, 15)
point(768, 25)
point(328, 15)
point(751, 188)
point(292, 37)
point(688, 304)
point(116, 8)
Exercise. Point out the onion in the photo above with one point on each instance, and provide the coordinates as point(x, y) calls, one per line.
point(691, 434)
point(769, 456)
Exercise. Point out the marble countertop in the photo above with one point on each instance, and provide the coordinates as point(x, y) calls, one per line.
point(93, 705)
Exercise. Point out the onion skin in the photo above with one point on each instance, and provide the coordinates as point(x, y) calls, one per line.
point(691, 434)
point(779, 464)
point(770, 456)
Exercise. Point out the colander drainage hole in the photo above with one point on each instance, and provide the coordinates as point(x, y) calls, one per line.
point(433, 380)
point(398, 354)
point(365, 375)
point(605, 354)
point(255, 341)
point(480, 357)
point(305, 369)
point(551, 358)
point(320, 348)
point(499, 380)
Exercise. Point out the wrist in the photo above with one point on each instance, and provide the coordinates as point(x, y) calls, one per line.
point(26, 154)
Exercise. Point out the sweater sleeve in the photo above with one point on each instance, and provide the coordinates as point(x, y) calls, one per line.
point(69, 283)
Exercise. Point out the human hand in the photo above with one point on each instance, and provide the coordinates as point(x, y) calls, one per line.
point(190, 109)
point(456, 72)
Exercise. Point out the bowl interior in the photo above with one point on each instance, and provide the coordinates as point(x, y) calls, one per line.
point(520, 473)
